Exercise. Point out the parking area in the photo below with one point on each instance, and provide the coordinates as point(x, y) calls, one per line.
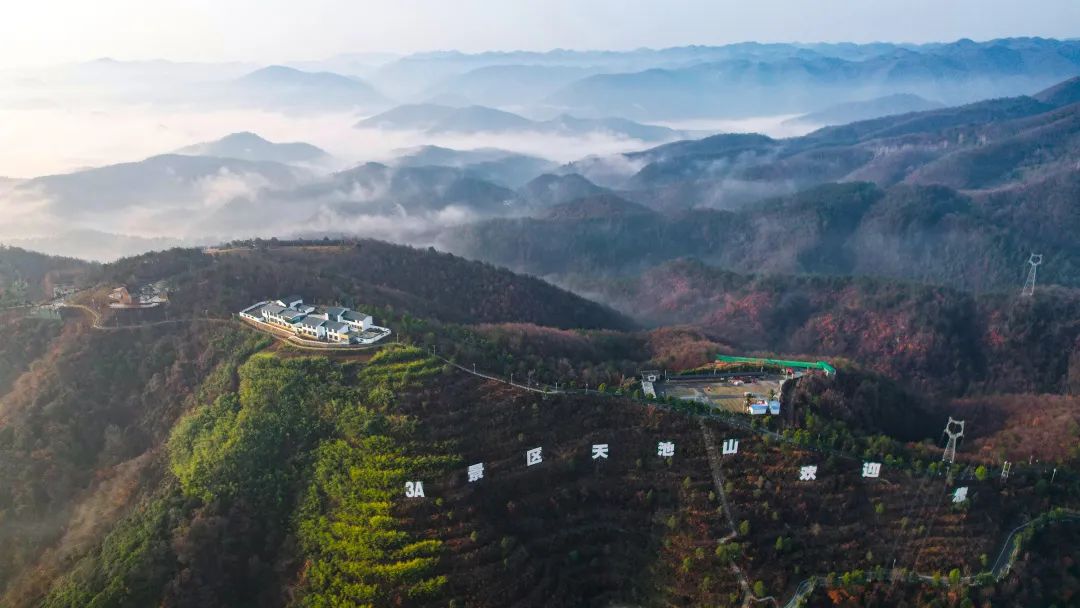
point(728, 393)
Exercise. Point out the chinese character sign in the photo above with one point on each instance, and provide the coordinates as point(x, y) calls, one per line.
point(599, 450)
point(665, 449)
point(960, 495)
point(476, 472)
point(414, 489)
point(533, 456)
point(808, 473)
point(731, 446)
point(871, 469)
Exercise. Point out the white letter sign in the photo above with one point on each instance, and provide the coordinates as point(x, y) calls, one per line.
point(476, 472)
point(414, 489)
point(960, 495)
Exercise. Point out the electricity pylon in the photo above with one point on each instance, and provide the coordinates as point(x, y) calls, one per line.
point(1029, 285)
point(950, 450)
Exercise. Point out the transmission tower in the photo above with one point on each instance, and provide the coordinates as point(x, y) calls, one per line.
point(950, 429)
point(1029, 285)
point(1005, 470)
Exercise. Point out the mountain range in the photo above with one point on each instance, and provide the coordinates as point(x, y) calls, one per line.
point(436, 119)
point(650, 85)
point(958, 72)
point(956, 196)
point(962, 147)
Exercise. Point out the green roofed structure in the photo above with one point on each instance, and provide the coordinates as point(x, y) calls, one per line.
point(822, 365)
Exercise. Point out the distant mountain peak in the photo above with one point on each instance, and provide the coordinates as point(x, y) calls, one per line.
point(279, 85)
point(245, 136)
point(277, 74)
point(597, 206)
point(246, 145)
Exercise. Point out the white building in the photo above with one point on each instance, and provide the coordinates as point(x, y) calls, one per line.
point(333, 324)
point(276, 313)
point(311, 326)
point(760, 408)
point(357, 320)
point(337, 331)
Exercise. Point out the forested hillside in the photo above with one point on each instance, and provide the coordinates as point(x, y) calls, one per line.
point(367, 273)
point(27, 276)
point(929, 234)
point(942, 340)
point(955, 196)
point(180, 458)
point(284, 487)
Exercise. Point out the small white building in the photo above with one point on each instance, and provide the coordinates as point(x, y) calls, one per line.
point(760, 408)
point(311, 326)
point(336, 331)
point(276, 313)
point(357, 320)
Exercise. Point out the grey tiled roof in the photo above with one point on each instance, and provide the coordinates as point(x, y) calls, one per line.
point(274, 309)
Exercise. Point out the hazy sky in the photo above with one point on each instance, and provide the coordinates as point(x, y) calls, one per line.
point(35, 32)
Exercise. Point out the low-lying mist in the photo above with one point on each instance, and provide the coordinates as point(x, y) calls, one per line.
point(52, 138)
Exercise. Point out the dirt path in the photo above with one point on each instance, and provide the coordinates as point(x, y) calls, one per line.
point(718, 482)
point(96, 320)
